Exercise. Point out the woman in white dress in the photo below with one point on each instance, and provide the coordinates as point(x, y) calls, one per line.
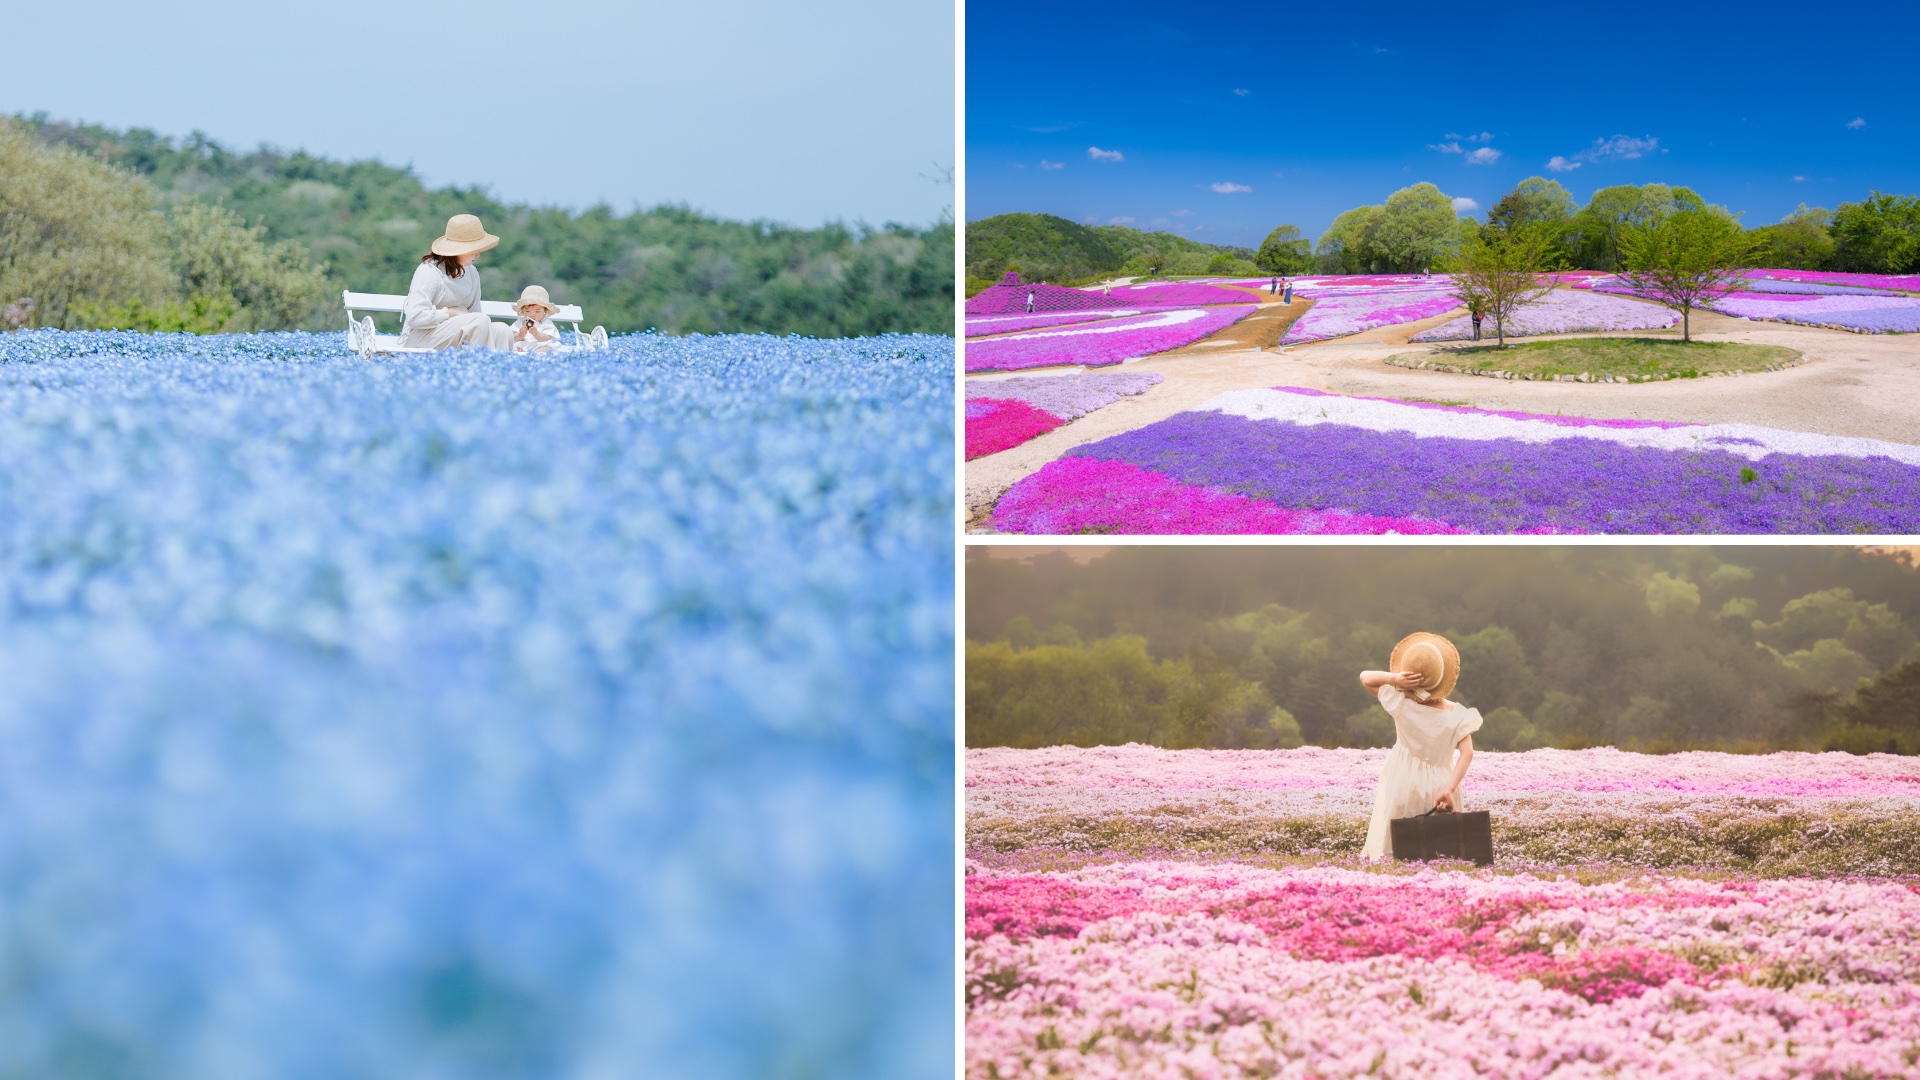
point(443, 303)
point(1422, 771)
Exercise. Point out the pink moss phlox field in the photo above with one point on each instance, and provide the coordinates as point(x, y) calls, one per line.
point(1068, 397)
point(995, 424)
point(1101, 344)
point(1334, 316)
point(1010, 297)
point(1179, 294)
point(1562, 312)
point(1007, 324)
point(1894, 282)
point(1088, 495)
point(1158, 968)
point(1785, 775)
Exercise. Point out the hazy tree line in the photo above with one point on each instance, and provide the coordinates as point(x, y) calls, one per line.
point(1655, 649)
point(101, 227)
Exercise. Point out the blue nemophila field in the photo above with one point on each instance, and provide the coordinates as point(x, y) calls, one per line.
point(475, 714)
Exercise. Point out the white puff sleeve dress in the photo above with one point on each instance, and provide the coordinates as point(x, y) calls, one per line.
point(1419, 765)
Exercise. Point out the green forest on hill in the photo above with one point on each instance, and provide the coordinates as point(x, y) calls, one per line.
point(1042, 247)
point(1648, 648)
point(215, 238)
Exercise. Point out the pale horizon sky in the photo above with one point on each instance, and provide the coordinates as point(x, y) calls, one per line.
point(799, 114)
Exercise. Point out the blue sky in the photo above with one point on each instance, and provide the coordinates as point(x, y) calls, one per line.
point(1222, 121)
point(749, 109)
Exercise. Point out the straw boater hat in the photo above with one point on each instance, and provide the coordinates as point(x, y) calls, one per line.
point(534, 294)
point(464, 235)
point(1430, 656)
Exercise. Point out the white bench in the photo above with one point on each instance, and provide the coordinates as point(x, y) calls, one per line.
point(363, 339)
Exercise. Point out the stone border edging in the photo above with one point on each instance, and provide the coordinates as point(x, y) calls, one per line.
point(1583, 377)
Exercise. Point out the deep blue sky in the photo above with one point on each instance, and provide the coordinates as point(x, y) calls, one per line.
point(748, 109)
point(1320, 107)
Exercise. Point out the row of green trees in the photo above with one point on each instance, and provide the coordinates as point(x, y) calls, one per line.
point(131, 228)
point(1417, 229)
point(1648, 648)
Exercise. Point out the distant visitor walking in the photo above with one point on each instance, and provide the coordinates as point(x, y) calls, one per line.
point(1029, 301)
point(443, 302)
point(1273, 286)
point(1476, 324)
point(1286, 296)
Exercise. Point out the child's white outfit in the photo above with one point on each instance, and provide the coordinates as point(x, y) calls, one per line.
point(546, 329)
point(1419, 765)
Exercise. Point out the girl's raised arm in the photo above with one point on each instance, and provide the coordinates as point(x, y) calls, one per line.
point(1374, 680)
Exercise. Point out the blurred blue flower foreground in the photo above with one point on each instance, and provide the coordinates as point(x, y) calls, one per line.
point(473, 715)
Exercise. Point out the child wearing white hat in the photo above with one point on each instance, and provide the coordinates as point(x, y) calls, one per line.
point(533, 331)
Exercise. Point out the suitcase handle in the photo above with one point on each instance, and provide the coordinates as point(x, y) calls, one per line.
point(1438, 810)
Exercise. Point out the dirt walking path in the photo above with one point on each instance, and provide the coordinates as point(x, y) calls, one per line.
point(1862, 385)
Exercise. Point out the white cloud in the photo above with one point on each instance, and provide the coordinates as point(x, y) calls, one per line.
point(1485, 136)
point(1097, 154)
point(1045, 164)
point(1183, 213)
point(1623, 147)
point(1228, 187)
point(1462, 204)
point(1119, 221)
point(1447, 147)
point(1857, 122)
point(1799, 179)
point(1486, 155)
point(1019, 165)
point(1242, 93)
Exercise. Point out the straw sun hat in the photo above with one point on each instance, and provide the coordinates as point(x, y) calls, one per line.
point(1433, 658)
point(534, 294)
point(463, 236)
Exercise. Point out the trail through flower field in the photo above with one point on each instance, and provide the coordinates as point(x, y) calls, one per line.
point(1140, 912)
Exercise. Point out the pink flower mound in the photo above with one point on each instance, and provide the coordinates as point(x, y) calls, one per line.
point(1009, 324)
point(1563, 421)
point(1087, 495)
point(996, 424)
point(1340, 315)
point(1101, 344)
point(1009, 297)
point(1180, 294)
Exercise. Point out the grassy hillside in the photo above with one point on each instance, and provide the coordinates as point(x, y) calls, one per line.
point(1043, 247)
point(366, 224)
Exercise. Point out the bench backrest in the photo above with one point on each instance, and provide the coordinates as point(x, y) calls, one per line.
point(499, 309)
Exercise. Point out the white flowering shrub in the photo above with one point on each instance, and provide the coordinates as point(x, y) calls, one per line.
point(472, 714)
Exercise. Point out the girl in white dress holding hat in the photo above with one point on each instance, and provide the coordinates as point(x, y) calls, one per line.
point(1422, 771)
point(443, 303)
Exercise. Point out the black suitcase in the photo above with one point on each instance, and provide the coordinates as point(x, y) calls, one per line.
point(1443, 834)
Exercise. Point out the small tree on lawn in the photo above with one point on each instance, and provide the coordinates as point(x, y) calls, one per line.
point(1687, 259)
point(1498, 271)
